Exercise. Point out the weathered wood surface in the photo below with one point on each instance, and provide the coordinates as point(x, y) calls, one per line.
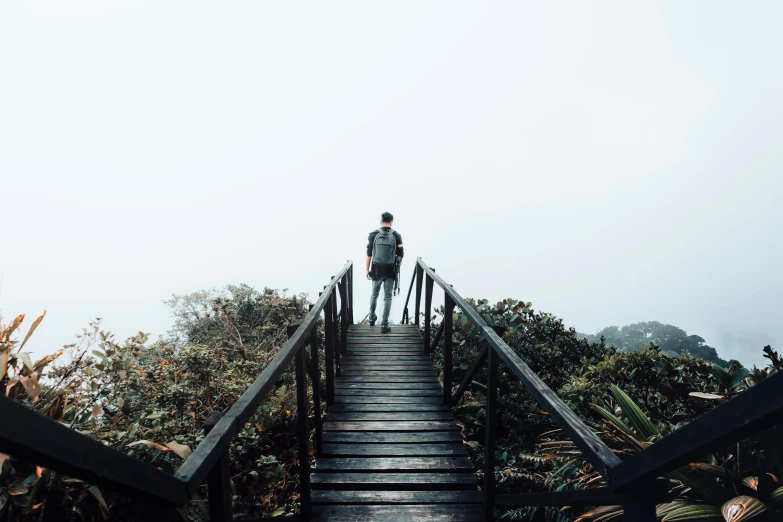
point(381, 513)
point(389, 439)
point(395, 450)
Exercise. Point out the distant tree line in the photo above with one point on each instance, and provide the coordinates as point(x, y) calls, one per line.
point(666, 337)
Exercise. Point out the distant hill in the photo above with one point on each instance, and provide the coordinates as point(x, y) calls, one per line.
point(667, 337)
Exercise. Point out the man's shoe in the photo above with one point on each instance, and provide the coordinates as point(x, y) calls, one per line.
point(372, 323)
point(385, 329)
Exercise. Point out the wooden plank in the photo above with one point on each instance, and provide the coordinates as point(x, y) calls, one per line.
point(384, 351)
point(432, 406)
point(412, 372)
point(754, 409)
point(386, 337)
point(395, 450)
point(396, 497)
point(385, 357)
point(401, 377)
point(380, 344)
point(394, 464)
point(368, 399)
point(380, 367)
point(400, 513)
point(379, 437)
point(390, 335)
point(28, 435)
point(350, 392)
point(389, 426)
point(387, 385)
point(401, 481)
point(392, 416)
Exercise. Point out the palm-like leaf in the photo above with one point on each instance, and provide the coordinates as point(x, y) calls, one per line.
point(701, 512)
point(743, 508)
point(638, 419)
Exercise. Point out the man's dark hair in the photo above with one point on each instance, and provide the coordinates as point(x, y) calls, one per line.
point(386, 218)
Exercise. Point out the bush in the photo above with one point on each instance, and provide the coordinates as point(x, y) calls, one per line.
point(151, 401)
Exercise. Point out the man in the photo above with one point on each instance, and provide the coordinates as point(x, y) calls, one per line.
point(383, 247)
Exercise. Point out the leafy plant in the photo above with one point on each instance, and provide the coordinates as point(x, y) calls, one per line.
point(151, 401)
point(706, 490)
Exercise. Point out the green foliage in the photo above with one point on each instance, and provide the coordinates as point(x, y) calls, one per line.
point(644, 393)
point(668, 338)
point(706, 491)
point(151, 401)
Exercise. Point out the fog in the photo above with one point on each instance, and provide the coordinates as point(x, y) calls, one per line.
point(610, 162)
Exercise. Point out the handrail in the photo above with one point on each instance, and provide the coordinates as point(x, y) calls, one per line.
point(753, 410)
point(597, 453)
point(41, 440)
point(26, 434)
point(630, 482)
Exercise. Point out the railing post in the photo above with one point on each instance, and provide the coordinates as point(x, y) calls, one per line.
point(428, 312)
point(493, 361)
point(302, 430)
point(329, 349)
point(489, 445)
point(336, 334)
point(219, 481)
point(448, 328)
point(316, 377)
point(350, 294)
point(343, 317)
point(419, 273)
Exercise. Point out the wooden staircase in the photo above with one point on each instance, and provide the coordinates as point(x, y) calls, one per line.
point(392, 449)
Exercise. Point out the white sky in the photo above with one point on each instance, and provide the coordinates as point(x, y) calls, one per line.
point(612, 162)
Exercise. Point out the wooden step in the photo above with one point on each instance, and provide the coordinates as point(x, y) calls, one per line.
point(394, 450)
point(382, 393)
point(392, 416)
point(371, 399)
point(436, 406)
point(343, 385)
point(394, 465)
point(379, 437)
point(394, 481)
point(389, 377)
point(396, 497)
point(401, 513)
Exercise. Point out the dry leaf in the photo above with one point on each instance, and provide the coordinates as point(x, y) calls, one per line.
point(14, 326)
point(706, 396)
point(150, 444)
point(31, 385)
point(26, 360)
point(96, 410)
point(180, 449)
point(11, 383)
point(32, 329)
point(4, 356)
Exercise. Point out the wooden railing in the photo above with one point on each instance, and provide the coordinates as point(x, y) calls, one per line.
point(29, 435)
point(632, 482)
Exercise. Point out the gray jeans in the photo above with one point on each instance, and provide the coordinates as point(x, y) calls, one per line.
point(388, 286)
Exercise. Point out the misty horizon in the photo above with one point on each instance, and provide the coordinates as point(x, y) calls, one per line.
point(610, 163)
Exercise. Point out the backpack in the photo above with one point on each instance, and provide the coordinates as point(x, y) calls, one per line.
point(384, 248)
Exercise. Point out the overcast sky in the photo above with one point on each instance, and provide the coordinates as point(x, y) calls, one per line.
point(612, 162)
